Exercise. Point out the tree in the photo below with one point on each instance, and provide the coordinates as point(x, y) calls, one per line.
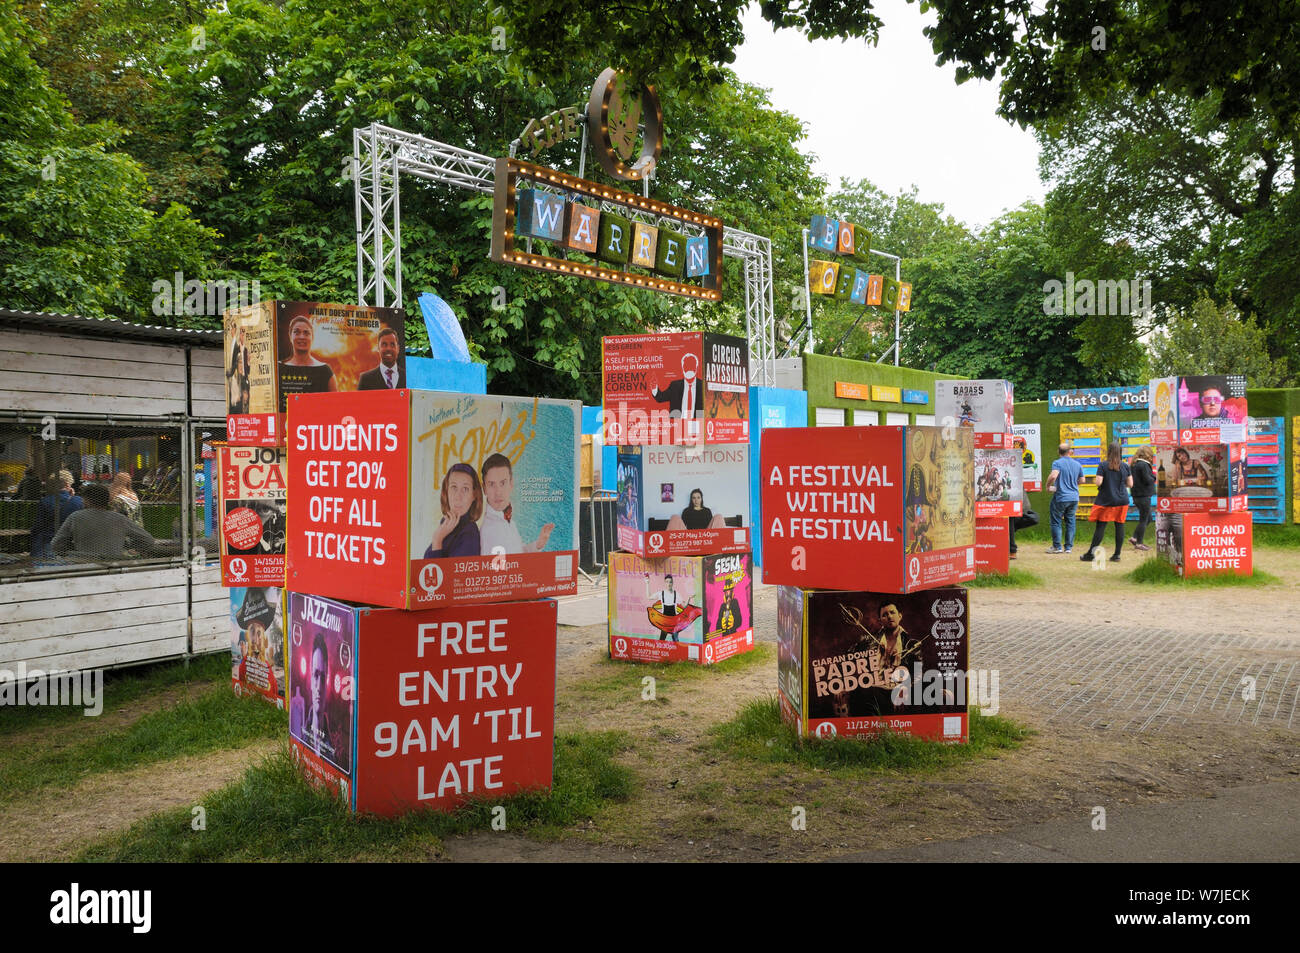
point(75, 232)
point(1208, 338)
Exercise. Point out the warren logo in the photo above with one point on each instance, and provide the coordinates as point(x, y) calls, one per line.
point(656, 541)
point(825, 730)
point(75, 906)
point(430, 578)
point(620, 646)
point(238, 568)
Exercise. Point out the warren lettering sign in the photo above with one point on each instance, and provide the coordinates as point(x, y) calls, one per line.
point(1097, 398)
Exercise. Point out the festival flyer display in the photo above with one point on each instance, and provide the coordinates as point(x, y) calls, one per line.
point(683, 500)
point(417, 499)
point(1028, 438)
point(278, 348)
point(678, 388)
point(889, 509)
point(252, 495)
point(1201, 478)
point(1206, 544)
point(680, 608)
point(853, 664)
point(985, 407)
point(259, 642)
point(1205, 409)
point(999, 486)
point(400, 711)
point(992, 545)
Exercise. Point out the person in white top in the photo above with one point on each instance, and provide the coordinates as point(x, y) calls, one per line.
point(498, 530)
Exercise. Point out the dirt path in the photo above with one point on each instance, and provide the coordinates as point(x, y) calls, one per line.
point(57, 825)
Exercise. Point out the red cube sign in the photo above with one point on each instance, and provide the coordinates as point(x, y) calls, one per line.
point(416, 499)
point(992, 546)
point(1207, 544)
point(400, 711)
point(889, 509)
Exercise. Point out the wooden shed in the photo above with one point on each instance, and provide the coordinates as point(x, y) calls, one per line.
point(95, 399)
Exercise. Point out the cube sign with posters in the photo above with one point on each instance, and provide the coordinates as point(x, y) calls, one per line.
point(417, 499)
point(1206, 544)
point(683, 501)
point(258, 642)
point(252, 490)
point(691, 387)
point(890, 509)
point(855, 664)
point(1201, 478)
point(680, 608)
point(984, 407)
point(401, 711)
point(278, 348)
point(993, 546)
point(1195, 410)
point(999, 487)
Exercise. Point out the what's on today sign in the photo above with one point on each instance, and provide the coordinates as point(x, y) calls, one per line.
point(1097, 398)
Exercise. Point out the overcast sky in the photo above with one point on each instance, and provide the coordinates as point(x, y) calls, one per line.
point(953, 147)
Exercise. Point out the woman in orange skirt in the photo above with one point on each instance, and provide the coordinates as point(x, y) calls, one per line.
point(1113, 481)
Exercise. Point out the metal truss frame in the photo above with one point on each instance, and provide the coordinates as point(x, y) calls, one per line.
point(381, 155)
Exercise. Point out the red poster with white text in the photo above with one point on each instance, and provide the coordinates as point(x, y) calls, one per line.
point(454, 704)
point(992, 542)
point(1218, 544)
point(252, 489)
point(348, 466)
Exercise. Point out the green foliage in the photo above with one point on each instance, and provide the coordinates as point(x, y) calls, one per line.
point(272, 813)
point(1158, 572)
point(1210, 339)
point(1014, 579)
point(758, 733)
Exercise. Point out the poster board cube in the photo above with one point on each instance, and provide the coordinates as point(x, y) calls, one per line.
point(999, 482)
point(1206, 544)
point(1208, 408)
point(713, 617)
point(992, 546)
point(984, 407)
point(688, 387)
point(657, 489)
point(259, 642)
point(278, 348)
point(844, 670)
point(889, 509)
point(399, 711)
point(252, 487)
point(1201, 478)
point(368, 474)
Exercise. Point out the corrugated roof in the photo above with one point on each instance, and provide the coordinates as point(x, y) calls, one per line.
point(107, 328)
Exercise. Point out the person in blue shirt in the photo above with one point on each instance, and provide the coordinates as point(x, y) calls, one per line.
point(1063, 483)
point(54, 508)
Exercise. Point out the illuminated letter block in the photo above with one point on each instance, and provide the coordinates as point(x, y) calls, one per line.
point(875, 288)
point(697, 256)
point(615, 239)
point(822, 233)
point(844, 283)
point(904, 296)
point(859, 293)
point(644, 240)
point(670, 259)
point(584, 225)
point(541, 215)
point(844, 242)
point(822, 276)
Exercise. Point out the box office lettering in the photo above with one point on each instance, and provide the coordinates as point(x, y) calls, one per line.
point(854, 664)
point(252, 497)
point(690, 387)
point(398, 711)
point(890, 509)
point(680, 608)
point(413, 499)
point(278, 348)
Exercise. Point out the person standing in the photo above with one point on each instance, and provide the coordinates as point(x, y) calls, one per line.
point(1063, 484)
point(1144, 487)
point(1111, 506)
